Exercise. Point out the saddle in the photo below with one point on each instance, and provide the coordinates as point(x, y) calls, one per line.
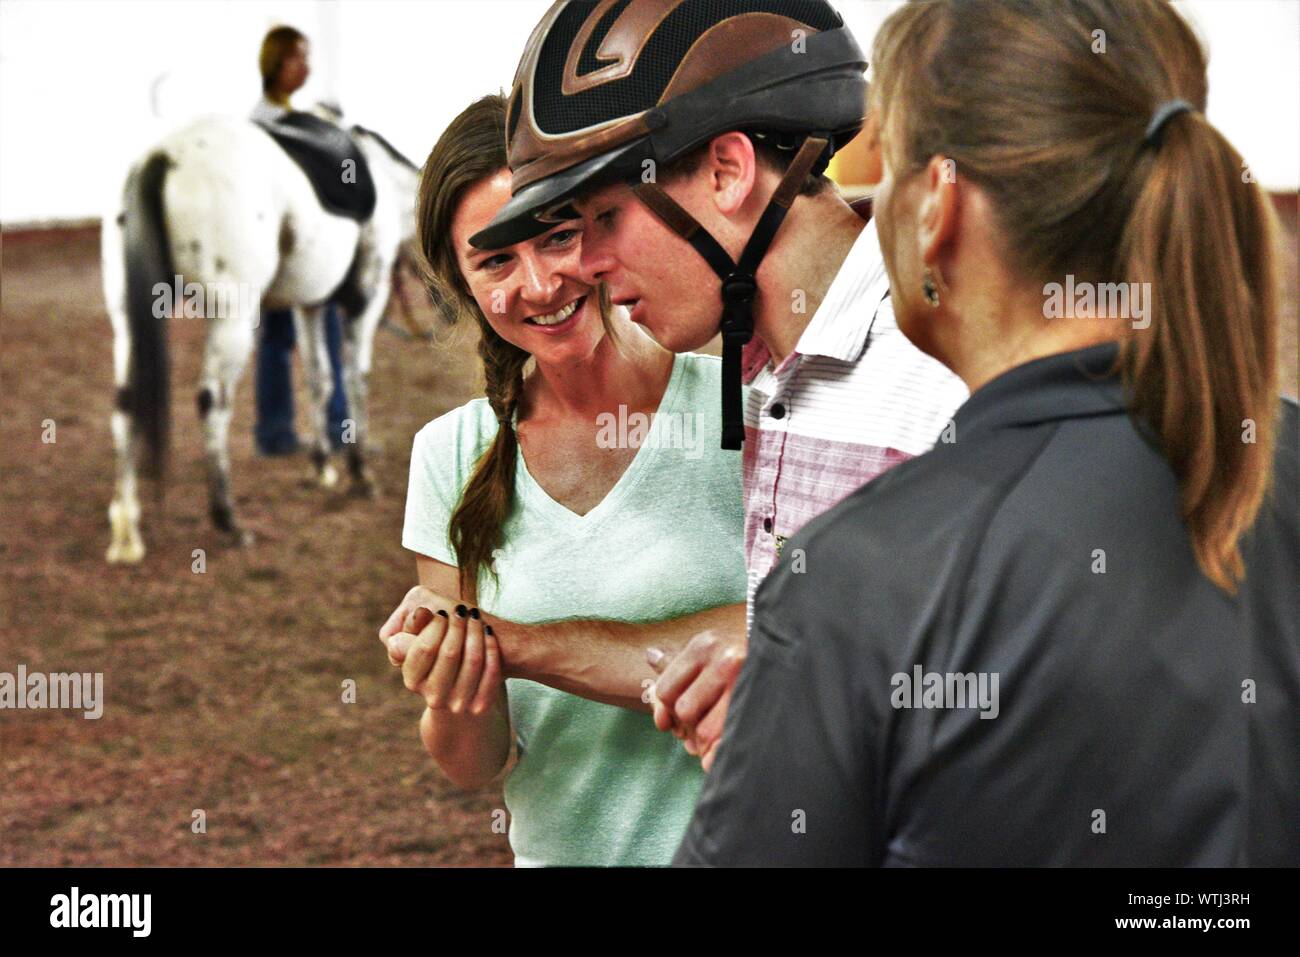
point(331, 161)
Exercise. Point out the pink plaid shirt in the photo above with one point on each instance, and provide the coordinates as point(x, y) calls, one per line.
point(855, 398)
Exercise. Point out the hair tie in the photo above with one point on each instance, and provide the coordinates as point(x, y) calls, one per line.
point(1163, 114)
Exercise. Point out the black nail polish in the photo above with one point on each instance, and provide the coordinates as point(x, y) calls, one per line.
point(488, 629)
point(443, 613)
point(461, 611)
point(473, 613)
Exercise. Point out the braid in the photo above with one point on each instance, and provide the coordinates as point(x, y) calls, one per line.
point(471, 149)
point(476, 525)
point(503, 368)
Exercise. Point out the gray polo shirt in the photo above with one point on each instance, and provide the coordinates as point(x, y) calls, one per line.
point(1003, 653)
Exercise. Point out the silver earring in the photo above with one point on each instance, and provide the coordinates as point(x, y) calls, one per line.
point(929, 289)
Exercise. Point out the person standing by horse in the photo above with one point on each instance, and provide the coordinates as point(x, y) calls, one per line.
point(285, 66)
point(221, 208)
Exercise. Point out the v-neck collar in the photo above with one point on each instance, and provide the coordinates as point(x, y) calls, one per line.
point(533, 495)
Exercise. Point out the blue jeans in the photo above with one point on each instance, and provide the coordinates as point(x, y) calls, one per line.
point(273, 431)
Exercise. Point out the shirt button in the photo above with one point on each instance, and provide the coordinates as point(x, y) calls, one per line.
point(767, 524)
point(778, 411)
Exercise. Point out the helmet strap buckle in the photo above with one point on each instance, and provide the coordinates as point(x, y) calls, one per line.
point(739, 286)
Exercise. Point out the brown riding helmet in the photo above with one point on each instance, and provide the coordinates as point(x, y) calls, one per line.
point(604, 86)
point(611, 90)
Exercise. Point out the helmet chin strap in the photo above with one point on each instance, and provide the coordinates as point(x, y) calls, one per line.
point(738, 283)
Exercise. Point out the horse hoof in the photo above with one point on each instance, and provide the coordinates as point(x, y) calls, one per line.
point(365, 488)
point(327, 476)
point(125, 553)
point(236, 537)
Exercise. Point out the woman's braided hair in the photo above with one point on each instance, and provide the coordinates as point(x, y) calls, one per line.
point(471, 149)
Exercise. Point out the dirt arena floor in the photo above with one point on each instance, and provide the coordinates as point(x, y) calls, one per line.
point(223, 689)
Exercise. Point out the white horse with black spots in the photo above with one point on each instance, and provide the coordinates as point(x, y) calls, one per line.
point(219, 216)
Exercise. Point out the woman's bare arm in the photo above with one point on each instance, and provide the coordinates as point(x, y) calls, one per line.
point(597, 659)
point(455, 665)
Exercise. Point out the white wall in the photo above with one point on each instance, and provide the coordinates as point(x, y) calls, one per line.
point(1254, 48)
point(86, 85)
point(1254, 66)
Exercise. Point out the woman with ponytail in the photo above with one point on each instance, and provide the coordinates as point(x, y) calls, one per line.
point(547, 501)
point(1068, 634)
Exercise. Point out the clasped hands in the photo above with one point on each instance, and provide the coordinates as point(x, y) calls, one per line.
point(457, 664)
point(448, 654)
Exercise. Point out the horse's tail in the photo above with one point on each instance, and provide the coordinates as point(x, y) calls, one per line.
point(148, 263)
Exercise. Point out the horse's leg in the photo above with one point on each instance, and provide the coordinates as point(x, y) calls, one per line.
point(363, 482)
point(358, 342)
point(230, 340)
point(314, 350)
point(126, 545)
point(124, 511)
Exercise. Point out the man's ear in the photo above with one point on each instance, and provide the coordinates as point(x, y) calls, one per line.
point(937, 214)
point(732, 167)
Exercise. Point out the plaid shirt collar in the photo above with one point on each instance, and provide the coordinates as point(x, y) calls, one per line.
point(837, 329)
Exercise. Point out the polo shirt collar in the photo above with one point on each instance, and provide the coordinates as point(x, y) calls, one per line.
point(841, 324)
point(1068, 385)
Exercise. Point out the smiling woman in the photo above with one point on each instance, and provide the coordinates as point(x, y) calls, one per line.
point(519, 503)
point(466, 180)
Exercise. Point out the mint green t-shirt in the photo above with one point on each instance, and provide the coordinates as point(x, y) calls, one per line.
point(597, 784)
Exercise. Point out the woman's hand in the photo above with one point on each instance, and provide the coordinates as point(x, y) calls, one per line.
point(415, 609)
point(453, 663)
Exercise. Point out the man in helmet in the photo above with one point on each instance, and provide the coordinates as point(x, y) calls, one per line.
point(690, 137)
